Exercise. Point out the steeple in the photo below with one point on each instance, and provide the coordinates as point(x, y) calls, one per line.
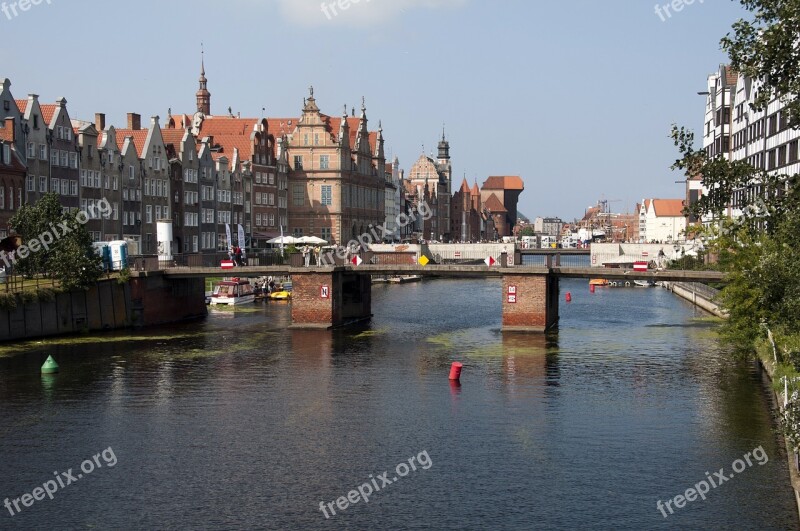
point(203, 95)
point(444, 148)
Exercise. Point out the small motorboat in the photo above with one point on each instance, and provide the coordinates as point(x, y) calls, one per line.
point(232, 292)
point(281, 295)
point(645, 283)
point(599, 282)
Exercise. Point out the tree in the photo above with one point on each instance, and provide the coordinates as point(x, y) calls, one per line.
point(56, 244)
point(758, 250)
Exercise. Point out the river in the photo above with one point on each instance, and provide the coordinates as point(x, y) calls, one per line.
point(236, 422)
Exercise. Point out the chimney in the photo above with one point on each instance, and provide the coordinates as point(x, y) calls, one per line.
point(100, 122)
point(134, 121)
point(11, 129)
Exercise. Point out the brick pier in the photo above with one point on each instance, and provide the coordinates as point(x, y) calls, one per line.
point(329, 299)
point(530, 302)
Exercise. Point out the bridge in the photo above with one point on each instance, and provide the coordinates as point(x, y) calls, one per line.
point(337, 295)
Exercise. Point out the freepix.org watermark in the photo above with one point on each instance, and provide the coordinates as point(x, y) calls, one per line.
point(371, 486)
point(101, 208)
point(675, 6)
point(61, 481)
point(14, 9)
point(712, 481)
point(332, 9)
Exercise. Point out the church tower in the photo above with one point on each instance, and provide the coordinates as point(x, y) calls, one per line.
point(203, 95)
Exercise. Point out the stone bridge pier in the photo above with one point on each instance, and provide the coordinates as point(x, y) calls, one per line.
point(330, 298)
point(530, 302)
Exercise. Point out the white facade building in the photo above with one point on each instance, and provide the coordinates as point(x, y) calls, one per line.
point(662, 220)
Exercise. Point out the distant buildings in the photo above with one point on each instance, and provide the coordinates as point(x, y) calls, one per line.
point(311, 175)
point(661, 220)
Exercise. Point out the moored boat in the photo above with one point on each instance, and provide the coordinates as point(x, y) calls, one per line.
point(645, 283)
point(232, 292)
point(599, 282)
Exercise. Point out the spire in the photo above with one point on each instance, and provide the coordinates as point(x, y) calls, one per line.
point(444, 147)
point(203, 95)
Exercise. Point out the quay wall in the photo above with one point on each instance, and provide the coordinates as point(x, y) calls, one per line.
point(108, 305)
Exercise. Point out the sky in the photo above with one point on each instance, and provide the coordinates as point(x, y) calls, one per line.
point(575, 96)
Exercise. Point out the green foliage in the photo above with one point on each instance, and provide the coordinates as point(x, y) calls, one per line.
point(8, 301)
point(765, 47)
point(46, 294)
point(528, 230)
point(71, 259)
point(28, 297)
point(124, 276)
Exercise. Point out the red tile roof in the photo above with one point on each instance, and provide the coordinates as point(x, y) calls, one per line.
point(475, 189)
point(22, 105)
point(465, 187)
point(173, 136)
point(231, 142)
point(139, 138)
point(668, 208)
point(512, 182)
point(493, 204)
point(225, 125)
point(48, 110)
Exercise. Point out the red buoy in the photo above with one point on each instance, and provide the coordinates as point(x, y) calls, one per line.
point(569, 297)
point(455, 370)
point(591, 288)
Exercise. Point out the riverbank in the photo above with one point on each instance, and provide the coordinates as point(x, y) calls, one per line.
point(704, 297)
point(700, 295)
point(769, 366)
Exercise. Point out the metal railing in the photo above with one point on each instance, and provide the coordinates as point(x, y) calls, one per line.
point(701, 290)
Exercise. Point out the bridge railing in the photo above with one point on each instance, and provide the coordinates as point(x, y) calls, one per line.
point(557, 260)
point(153, 263)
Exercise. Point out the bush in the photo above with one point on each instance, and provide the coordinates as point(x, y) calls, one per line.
point(8, 301)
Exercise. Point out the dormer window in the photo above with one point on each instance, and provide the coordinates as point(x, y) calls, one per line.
point(36, 121)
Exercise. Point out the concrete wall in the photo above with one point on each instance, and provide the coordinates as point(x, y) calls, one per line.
point(103, 307)
point(602, 253)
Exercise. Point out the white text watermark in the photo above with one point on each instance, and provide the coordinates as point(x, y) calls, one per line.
point(371, 486)
point(712, 481)
point(61, 481)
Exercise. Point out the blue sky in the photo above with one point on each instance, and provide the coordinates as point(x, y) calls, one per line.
point(576, 96)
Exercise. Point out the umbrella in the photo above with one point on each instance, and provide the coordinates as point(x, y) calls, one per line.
point(283, 240)
point(313, 240)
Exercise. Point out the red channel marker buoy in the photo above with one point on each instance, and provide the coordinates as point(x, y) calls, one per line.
point(455, 371)
point(569, 297)
point(591, 288)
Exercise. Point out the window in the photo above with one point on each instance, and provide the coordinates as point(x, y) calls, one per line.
point(43, 185)
point(31, 149)
point(147, 187)
point(298, 194)
point(73, 188)
point(298, 162)
point(326, 195)
point(130, 172)
point(258, 220)
point(54, 157)
point(64, 158)
point(158, 212)
point(148, 214)
point(115, 183)
point(55, 186)
point(31, 183)
point(324, 162)
point(73, 160)
point(326, 234)
point(107, 182)
point(115, 211)
point(272, 220)
point(42, 152)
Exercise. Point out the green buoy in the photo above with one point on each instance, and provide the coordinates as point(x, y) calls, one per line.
point(50, 366)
